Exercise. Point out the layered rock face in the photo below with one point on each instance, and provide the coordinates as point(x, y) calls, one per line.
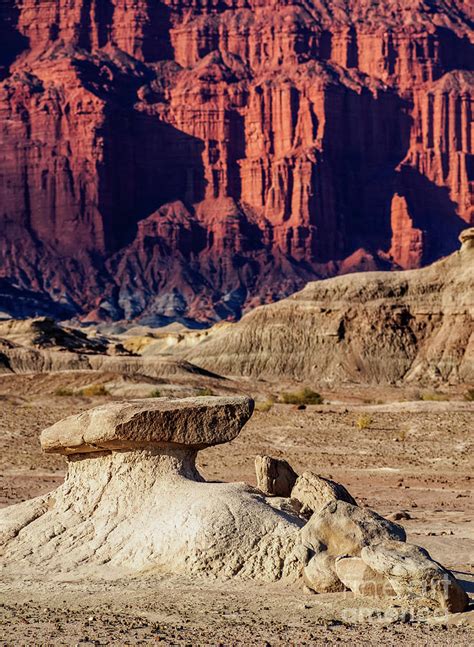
point(414, 326)
point(192, 159)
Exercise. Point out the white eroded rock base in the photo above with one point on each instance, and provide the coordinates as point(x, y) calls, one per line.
point(134, 511)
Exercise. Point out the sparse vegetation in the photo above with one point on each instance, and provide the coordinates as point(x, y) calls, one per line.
point(264, 407)
point(304, 396)
point(434, 396)
point(205, 391)
point(94, 390)
point(91, 391)
point(156, 393)
point(364, 421)
point(63, 391)
point(469, 395)
point(403, 434)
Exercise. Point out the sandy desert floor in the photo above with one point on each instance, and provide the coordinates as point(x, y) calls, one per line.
point(414, 456)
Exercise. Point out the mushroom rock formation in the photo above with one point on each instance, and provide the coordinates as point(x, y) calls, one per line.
point(189, 158)
point(133, 500)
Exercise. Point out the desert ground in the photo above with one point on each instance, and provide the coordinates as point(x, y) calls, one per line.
point(404, 452)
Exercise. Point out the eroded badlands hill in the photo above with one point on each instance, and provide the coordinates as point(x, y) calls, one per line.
point(375, 327)
point(189, 159)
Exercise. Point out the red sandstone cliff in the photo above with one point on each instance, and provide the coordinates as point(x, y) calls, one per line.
point(190, 158)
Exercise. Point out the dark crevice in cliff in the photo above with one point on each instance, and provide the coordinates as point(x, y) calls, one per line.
point(104, 14)
point(432, 211)
point(85, 25)
point(12, 43)
point(236, 125)
point(156, 33)
point(153, 163)
point(455, 53)
point(367, 137)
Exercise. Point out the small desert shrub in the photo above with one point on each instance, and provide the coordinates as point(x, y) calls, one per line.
point(434, 396)
point(63, 391)
point(363, 422)
point(469, 396)
point(304, 396)
point(205, 391)
point(94, 390)
point(403, 434)
point(264, 407)
point(156, 393)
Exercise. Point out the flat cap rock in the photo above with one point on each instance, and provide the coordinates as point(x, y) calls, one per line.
point(193, 423)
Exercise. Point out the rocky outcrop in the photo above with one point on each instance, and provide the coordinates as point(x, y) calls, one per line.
point(340, 529)
point(412, 573)
point(275, 477)
point(351, 547)
point(190, 160)
point(43, 333)
point(355, 548)
point(376, 327)
point(314, 492)
point(41, 345)
point(133, 502)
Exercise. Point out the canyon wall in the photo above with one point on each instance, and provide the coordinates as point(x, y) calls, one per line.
point(191, 159)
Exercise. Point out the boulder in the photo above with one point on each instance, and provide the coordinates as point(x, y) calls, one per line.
point(400, 515)
point(344, 529)
point(357, 576)
point(156, 422)
point(275, 477)
point(319, 574)
point(314, 492)
point(413, 574)
point(341, 529)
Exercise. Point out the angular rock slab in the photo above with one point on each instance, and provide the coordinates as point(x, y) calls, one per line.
point(412, 573)
point(193, 423)
point(314, 492)
point(275, 476)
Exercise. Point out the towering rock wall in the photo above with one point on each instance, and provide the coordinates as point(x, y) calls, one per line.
point(191, 158)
